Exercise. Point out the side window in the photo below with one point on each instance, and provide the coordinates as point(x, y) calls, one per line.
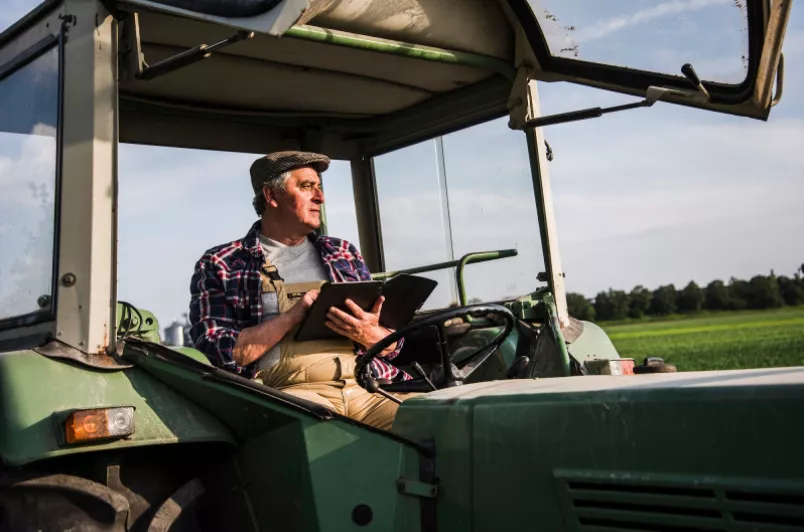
point(468, 191)
point(413, 216)
point(28, 145)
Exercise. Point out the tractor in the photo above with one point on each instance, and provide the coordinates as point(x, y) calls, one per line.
point(527, 419)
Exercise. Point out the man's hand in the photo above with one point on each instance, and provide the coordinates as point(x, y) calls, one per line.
point(361, 326)
point(254, 342)
point(299, 310)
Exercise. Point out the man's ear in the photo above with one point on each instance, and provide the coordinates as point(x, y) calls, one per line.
point(270, 196)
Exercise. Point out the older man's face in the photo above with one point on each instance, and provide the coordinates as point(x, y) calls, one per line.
point(302, 198)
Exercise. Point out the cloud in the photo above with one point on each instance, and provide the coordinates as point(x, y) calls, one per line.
point(612, 25)
point(669, 201)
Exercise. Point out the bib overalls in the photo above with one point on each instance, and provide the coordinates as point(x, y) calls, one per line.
point(321, 371)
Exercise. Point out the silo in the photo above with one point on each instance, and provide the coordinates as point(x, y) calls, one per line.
point(174, 334)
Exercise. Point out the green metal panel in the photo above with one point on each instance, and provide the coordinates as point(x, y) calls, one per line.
point(510, 454)
point(36, 394)
point(303, 472)
point(498, 363)
point(195, 354)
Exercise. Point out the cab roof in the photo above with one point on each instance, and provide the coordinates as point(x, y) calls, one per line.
point(284, 90)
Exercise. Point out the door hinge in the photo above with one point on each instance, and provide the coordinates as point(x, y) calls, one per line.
point(416, 488)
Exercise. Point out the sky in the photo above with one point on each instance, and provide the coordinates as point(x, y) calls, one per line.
point(651, 196)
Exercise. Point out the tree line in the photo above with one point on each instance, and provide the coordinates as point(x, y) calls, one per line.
point(761, 292)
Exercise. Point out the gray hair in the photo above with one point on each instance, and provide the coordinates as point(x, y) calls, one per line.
point(278, 183)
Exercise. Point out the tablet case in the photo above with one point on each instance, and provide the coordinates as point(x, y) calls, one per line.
point(363, 293)
point(404, 295)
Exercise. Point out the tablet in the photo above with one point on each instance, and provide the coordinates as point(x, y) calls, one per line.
point(404, 296)
point(363, 293)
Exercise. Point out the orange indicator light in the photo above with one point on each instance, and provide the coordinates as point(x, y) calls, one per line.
point(97, 424)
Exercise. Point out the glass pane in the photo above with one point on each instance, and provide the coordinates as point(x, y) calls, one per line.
point(492, 207)
point(28, 123)
point(649, 35)
point(340, 202)
point(487, 203)
point(412, 218)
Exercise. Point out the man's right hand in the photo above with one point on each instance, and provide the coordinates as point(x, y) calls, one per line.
point(299, 310)
point(254, 342)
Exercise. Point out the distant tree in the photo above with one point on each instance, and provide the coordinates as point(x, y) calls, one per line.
point(798, 279)
point(602, 305)
point(716, 296)
point(611, 305)
point(791, 291)
point(474, 301)
point(622, 303)
point(690, 299)
point(663, 301)
point(739, 294)
point(764, 292)
point(580, 308)
point(640, 301)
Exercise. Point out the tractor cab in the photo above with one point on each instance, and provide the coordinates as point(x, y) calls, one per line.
point(522, 407)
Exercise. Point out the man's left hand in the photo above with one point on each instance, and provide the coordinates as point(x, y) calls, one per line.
point(361, 326)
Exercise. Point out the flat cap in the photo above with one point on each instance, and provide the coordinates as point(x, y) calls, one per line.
point(266, 169)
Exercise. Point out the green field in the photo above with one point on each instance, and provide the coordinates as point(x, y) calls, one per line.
point(728, 340)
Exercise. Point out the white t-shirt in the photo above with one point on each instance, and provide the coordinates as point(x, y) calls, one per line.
point(296, 264)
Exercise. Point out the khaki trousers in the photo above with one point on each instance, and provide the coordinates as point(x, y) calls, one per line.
point(351, 400)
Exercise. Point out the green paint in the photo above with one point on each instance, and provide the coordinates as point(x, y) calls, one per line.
point(310, 472)
point(36, 394)
point(470, 258)
point(505, 449)
point(385, 46)
point(498, 363)
point(193, 353)
point(555, 328)
point(137, 322)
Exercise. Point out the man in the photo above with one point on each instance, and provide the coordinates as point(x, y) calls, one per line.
point(250, 296)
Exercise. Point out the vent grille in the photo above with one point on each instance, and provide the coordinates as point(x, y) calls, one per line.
point(609, 501)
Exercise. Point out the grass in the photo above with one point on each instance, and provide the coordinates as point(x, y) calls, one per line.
point(728, 340)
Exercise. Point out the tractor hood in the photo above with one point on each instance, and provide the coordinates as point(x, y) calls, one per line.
point(700, 451)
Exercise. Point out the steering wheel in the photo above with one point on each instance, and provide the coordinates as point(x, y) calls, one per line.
point(451, 375)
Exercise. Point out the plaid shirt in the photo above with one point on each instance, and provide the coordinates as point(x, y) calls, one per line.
point(225, 297)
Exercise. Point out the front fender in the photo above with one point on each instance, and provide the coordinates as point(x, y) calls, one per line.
point(592, 344)
point(37, 393)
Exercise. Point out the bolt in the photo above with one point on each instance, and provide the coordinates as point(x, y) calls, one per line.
point(68, 279)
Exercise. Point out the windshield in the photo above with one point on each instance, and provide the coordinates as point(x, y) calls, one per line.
point(468, 191)
point(712, 35)
point(28, 126)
